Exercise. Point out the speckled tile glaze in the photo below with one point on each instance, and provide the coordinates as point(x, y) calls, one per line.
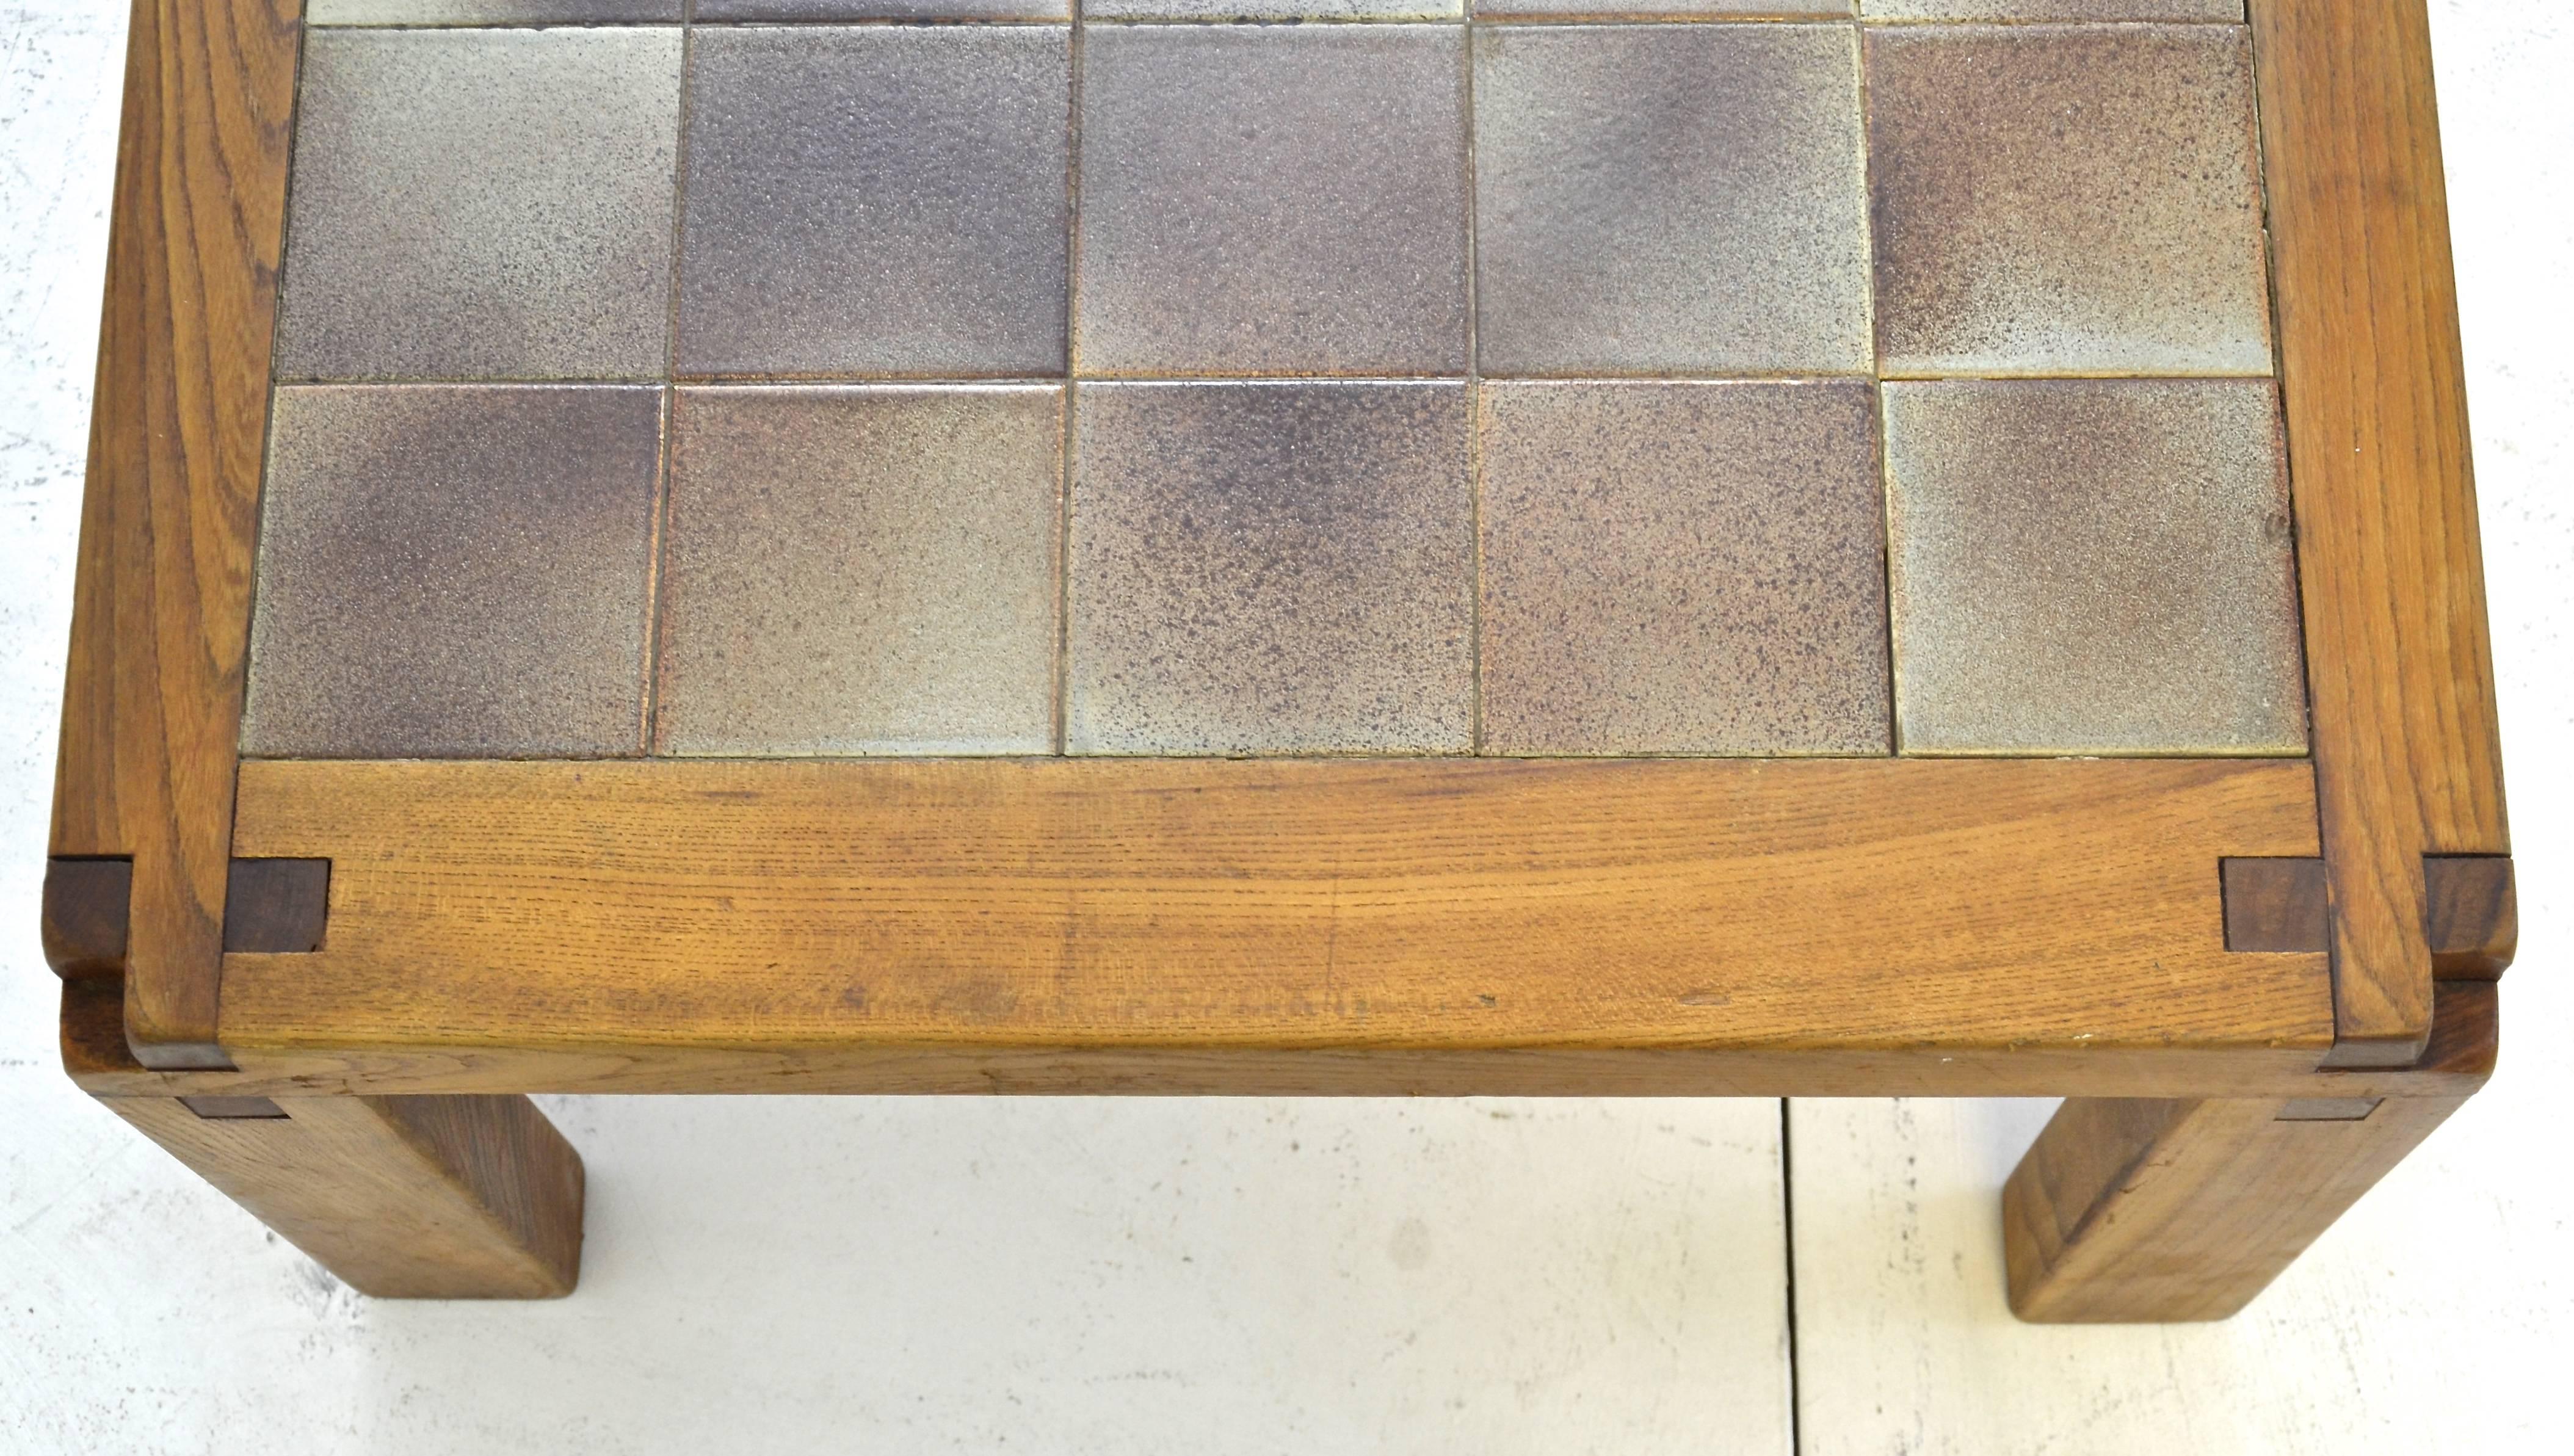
point(1682, 569)
point(490, 12)
point(754, 10)
point(2093, 566)
point(1271, 568)
point(862, 569)
point(876, 201)
point(482, 204)
point(1617, 9)
point(2067, 199)
point(454, 571)
point(1224, 10)
point(1670, 199)
point(2078, 10)
point(1267, 200)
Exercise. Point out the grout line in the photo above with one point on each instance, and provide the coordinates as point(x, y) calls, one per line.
point(657, 571)
point(1788, 1225)
point(1062, 703)
point(1474, 417)
point(1877, 416)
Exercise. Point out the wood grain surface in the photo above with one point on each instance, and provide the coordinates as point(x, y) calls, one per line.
point(1208, 905)
point(401, 1197)
point(161, 611)
point(2407, 753)
point(2461, 1058)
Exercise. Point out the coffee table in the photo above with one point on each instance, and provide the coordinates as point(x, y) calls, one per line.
point(1727, 547)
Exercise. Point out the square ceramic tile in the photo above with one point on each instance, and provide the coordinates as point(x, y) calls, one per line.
point(1239, 10)
point(2067, 200)
point(1682, 569)
point(2085, 10)
point(482, 204)
point(724, 10)
point(876, 201)
point(1264, 200)
point(454, 571)
point(1621, 9)
point(2093, 566)
point(1271, 568)
point(1670, 199)
point(490, 12)
point(862, 569)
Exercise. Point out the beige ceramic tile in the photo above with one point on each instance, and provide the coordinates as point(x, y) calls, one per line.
point(482, 204)
point(1617, 9)
point(1259, 200)
point(2067, 200)
point(490, 12)
point(1223, 10)
point(453, 571)
point(726, 10)
point(1271, 568)
point(865, 570)
point(1670, 199)
point(876, 201)
point(2093, 566)
point(1682, 569)
point(2085, 10)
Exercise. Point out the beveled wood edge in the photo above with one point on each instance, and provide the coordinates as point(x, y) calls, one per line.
point(2458, 1060)
point(161, 604)
point(2405, 733)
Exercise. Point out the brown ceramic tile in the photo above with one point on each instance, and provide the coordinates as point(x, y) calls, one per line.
point(865, 570)
point(1271, 568)
point(490, 12)
point(1258, 200)
point(453, 571)
point(2093, 566)
point(2067, 200)
point(482, 204)
point(2082, 10)
point(1670, 199)
point(876, 201)
point(1682, 569)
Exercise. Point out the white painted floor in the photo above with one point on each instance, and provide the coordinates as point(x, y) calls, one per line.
point(1276, 1276)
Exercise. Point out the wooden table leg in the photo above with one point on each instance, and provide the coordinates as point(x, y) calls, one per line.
point(2139, 1209)
point(431, 1197)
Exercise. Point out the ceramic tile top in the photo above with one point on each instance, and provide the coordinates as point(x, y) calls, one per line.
point(482, 204)
point(2067, 200)
point(1670, 199)
point(1271, 568)
point(862, 570)
point(453, 571)
point(1268, 201)
point(1526, 378)
point(1682, 569)
point(875, 201)
point(2093, 566)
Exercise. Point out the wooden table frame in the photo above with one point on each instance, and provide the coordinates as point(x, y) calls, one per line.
point(2259, 981)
